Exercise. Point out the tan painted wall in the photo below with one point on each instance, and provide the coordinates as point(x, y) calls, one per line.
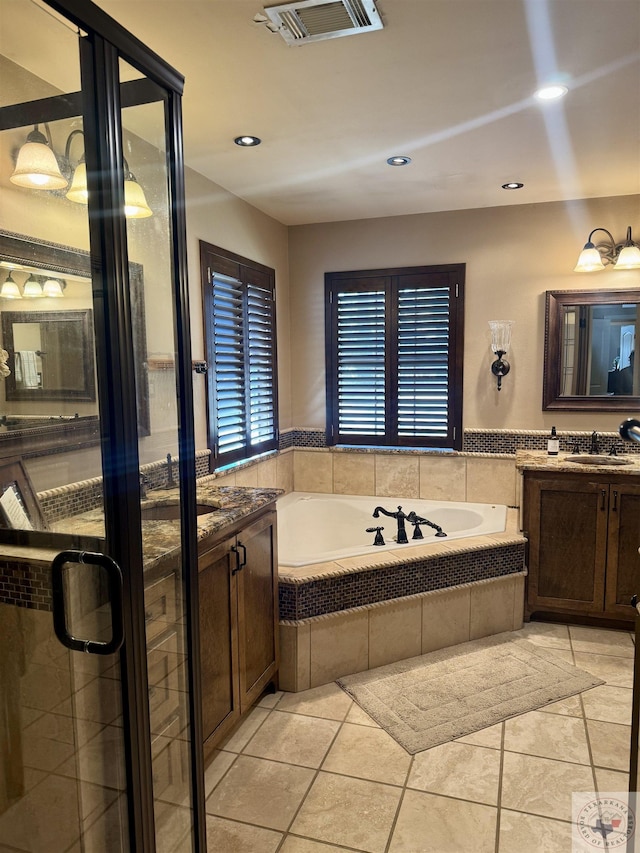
point(512, 256)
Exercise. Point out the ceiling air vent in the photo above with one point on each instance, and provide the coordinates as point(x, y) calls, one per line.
point(316, 20)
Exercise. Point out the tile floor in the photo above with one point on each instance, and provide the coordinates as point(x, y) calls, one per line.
point(312, 773)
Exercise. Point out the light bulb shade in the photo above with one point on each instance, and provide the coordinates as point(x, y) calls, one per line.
point(628, 259)
point(10, 290)
point(36, 166)
point(135, 204)
point(32, 289)
point(53, 289)
point(590, 260)
point(78, 191)
point(500, 335)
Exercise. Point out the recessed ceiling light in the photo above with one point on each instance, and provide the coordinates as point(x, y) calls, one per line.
point(247, 141)
point(551, 93)
point(512, 185)
point(399, 160)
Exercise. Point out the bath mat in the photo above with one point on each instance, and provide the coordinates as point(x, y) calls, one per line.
point(443, 695)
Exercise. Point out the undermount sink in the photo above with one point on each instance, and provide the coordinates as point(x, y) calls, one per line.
point(171, 512)
point(594, 459)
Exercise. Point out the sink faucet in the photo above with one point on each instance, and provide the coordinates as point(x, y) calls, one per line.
point(595, 447)
point(400, 517)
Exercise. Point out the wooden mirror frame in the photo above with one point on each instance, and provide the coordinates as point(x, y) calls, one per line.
point(551, 381)
point(74, 433)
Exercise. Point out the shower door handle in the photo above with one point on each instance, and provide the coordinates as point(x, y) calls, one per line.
point(60, 624)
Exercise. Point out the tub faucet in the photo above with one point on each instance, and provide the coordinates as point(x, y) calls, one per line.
point(401, 538)
point(595, 446)
point(144, 483)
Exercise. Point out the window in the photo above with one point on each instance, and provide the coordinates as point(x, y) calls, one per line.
point(240, 341)
point(394, 356)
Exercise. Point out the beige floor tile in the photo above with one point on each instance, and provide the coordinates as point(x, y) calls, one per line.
point(246, 730)
point(458, 770)
point(368, 753)
point(100, 761)
point(548, 736)
point(45, 754)
point(616, 671)
point(570, 707)
point(294, 844)
point(600, 641)
point(608, 704)
point(231, 837)
point(359, 717)
point(294, 738)
point(428, 823)
point(546, 634)
point(541, 786)
point(270, 700)
point(216, 769)
point(490, 737)
point(44, 687)
point(611, 780)
point(526, 833)
point(610, 745)
point(353, 812)
point(263, 793)
point(328, 701)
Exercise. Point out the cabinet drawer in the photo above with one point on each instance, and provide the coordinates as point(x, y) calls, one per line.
point(169, 754)
point(163, 667)
point(160, 606)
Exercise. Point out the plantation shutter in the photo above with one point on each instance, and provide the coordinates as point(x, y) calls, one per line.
point(240, 338)
point(394, 365)
point(361, 369)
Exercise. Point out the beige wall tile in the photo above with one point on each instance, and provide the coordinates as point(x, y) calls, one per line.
point(518, 604)
point(354, 474)
point(397, 476)
point(225, 480)
point(492, 607)
point(312, 472)
point(294, 657)
point(491, 481)
point(247, 476)
point(445, 619)
point(339, 646)
point(284, 471)
point(268, 473)
point(395, 632)
point(443, 478)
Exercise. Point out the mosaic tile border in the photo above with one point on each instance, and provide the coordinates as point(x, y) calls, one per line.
point(26, 585)
point(302, 600)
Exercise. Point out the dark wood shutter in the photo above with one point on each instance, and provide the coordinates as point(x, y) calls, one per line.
point(394, 356)
point(240, 339)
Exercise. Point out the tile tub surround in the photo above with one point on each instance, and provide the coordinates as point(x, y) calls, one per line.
point(356, 614)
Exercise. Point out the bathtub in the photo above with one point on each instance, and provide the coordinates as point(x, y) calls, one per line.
point(316, 528)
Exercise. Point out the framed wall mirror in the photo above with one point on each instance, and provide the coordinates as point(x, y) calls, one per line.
point(48, 402)
point(589, 350)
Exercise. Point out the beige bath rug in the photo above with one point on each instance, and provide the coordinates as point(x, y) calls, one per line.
point(440, 696)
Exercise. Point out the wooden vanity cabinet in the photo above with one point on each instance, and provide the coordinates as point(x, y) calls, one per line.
point(238, 607)
point(584, 534)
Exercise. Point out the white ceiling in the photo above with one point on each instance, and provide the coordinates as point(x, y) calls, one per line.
point(447, 82)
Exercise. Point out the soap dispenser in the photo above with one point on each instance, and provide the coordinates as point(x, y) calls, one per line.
point(553, 443)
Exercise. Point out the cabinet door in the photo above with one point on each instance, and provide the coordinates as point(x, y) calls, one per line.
point(567, 526)
point(623, 561)
point(218, 642)
point(257, 608)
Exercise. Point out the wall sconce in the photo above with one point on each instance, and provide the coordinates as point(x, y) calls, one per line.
point(52, 288)
point(32, 288)
point(38, 167)
point(500, 343)
point(623, 256)
point(10, 289)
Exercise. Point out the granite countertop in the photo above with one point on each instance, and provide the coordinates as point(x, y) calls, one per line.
point(539, 460)
point(161, 537)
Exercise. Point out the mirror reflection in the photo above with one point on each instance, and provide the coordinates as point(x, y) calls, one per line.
point(590, 341)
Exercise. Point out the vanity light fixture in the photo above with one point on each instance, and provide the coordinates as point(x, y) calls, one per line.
point(247, 141)
point(500, 343)
point(623, 256)
point(53, 288)
point(399, 160)
point(38, 167)
point(10, 289)
point(32, 288)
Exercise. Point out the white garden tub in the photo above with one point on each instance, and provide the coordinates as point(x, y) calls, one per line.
point(317, 528)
